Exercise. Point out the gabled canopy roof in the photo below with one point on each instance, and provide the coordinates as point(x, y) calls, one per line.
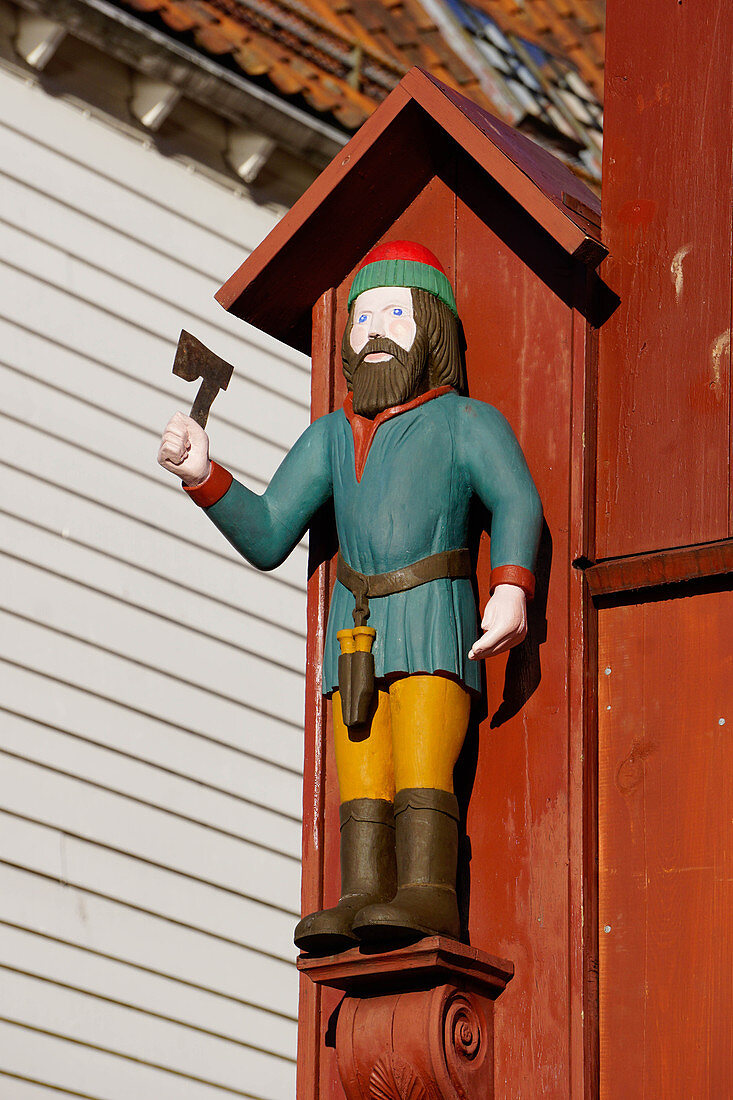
point(365, 188)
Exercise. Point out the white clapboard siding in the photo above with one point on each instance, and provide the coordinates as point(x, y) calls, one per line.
point(241, 866)
point(147, 885)
point(26, 540)
point(139, 1031)
point(144, 404)
point(170, 556)
point(170, 749)
point(50, 419)
point(146, 498)
point(151, 681)
point(24, 1088)
point(102, 1069)
point(72, 757)
point(86, 469)
point(141, 692)
point(115, 627)
point(149, 676)
point(105, 978)
point(128, 308)
point(146, 942)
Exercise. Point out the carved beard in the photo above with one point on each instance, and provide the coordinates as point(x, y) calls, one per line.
point(378, 386)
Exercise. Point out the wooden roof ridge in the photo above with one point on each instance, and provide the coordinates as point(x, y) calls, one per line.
point(573, 199)
point(307, 252)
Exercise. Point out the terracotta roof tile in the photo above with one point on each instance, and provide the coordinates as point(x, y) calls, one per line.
point(343, 57)
point(563, 27)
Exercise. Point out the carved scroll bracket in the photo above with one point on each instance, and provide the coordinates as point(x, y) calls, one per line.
point(416, 1023)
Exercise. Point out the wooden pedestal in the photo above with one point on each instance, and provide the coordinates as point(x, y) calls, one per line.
point(416, 1023)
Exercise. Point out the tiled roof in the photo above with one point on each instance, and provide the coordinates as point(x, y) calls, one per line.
point(343, 57)
point(553, 102)
point(573, 30)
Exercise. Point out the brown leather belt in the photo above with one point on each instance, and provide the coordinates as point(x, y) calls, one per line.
point(448, 564)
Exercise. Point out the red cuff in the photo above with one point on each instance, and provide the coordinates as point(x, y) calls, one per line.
point(211, 490)
point(513, 574)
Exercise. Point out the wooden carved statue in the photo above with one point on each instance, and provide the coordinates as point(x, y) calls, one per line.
point(402, 461)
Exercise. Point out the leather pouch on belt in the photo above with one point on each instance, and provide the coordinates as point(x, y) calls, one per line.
point(356, 673)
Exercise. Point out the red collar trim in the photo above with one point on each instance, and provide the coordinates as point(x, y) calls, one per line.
point(365, 429)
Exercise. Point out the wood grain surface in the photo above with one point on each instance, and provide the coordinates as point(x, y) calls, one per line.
point(664, 374)
point(665, 807)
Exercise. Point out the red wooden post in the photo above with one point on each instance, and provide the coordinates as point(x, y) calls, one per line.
point(665, 570)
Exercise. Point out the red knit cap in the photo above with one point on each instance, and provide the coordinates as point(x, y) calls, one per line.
point(402, 263)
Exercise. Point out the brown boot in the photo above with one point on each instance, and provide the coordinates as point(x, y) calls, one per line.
point(368, 874)
point(426, 822)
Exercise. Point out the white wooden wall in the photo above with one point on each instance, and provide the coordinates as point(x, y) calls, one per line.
point(151, 695)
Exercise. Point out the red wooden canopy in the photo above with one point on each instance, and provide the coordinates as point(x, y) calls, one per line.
point(405, 143)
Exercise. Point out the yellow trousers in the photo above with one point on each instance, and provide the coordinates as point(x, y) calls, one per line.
point(413, 740)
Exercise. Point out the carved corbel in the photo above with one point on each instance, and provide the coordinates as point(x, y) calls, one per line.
point(416, 1023)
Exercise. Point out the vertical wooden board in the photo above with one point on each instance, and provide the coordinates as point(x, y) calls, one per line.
point(666, 709)
point(518, 329)
point(664, 377)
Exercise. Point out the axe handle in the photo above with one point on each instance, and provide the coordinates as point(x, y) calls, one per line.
point(203, 402)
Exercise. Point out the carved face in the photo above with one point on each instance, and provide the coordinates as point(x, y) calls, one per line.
point(387, 353)
point(399, 342)
point(383, 311)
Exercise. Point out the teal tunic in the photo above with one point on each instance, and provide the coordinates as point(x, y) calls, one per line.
point(422, 471)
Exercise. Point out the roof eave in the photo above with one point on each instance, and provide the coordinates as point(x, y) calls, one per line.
point(293, 256)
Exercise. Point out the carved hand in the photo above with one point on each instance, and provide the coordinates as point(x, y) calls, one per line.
point(504, 622)
point(184, 450)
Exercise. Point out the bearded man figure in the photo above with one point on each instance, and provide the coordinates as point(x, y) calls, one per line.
point(402, 460)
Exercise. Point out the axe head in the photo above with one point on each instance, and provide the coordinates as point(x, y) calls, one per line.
point(194, 360)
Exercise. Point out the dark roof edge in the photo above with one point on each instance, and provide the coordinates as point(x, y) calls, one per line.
point(199, 78)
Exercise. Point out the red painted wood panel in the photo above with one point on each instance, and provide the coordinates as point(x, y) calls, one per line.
point(664, 378)
point(665, 806)
point(519, 358)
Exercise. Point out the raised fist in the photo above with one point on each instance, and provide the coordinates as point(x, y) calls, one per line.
point(184, 450)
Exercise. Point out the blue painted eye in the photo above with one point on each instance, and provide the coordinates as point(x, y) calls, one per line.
point(361, 319)
point(397, 311)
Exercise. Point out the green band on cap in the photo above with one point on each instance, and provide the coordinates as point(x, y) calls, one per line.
point(403, 273)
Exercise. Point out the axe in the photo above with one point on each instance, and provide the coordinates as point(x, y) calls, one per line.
point(194, 360)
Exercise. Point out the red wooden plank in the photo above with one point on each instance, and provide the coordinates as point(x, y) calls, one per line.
point(664, 379)
point(582, 698)
point(519, 336)
point(665, 809)
point(666, 567)
point(432, 957)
